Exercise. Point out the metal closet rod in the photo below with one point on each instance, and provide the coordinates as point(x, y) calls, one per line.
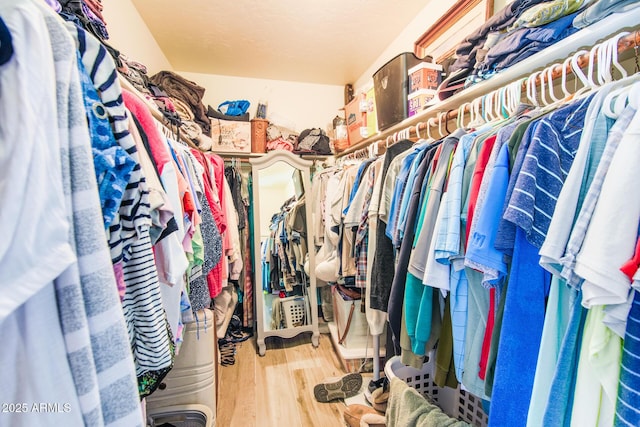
point(632, 40)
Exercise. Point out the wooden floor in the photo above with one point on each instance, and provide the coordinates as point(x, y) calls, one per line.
point(277, 390)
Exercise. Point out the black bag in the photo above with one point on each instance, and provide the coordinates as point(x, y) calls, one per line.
point(313, 141)
point(211, 113)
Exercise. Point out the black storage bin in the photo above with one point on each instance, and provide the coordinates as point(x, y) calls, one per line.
point(391, 87)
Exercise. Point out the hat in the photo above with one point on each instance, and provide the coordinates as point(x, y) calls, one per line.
point(327, 270)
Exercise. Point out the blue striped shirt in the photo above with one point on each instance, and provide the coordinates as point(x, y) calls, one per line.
point(545, 166)
point(627, 411)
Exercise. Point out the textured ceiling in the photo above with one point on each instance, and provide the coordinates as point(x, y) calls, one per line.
point(317, 41)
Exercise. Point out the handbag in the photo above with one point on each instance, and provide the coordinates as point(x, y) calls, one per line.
point(234, 108)
point(349, 294)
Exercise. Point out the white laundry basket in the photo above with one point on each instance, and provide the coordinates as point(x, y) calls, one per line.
point(456, 403)
point(295, 311)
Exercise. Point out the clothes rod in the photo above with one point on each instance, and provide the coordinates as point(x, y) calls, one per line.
point(625, 43)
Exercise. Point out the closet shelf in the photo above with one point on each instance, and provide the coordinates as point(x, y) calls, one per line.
point(228, 155)
point(586, 37)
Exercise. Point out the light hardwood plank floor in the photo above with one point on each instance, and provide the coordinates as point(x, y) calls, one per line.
point(277, 390)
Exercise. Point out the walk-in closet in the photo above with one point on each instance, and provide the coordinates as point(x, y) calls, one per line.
point(340, 213)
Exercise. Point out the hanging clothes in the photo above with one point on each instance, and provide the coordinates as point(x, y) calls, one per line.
point(122, 230)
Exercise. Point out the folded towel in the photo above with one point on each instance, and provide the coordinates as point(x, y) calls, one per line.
point(407, 407)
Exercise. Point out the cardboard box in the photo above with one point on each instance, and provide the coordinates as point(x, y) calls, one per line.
point(355, 120)
point(418, 100)
point(372, 119)
point(425, 75)
point(230, 136)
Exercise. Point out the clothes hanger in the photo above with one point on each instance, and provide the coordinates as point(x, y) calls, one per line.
point(440, 115)
point(514, 91)
point(406, 133)
point(476, 120)
point(531, 89)
point(472, 117)
point(486, 108)
point(498, 104)
point(501, 105)
point(618, 96)
point(592, 63)
point(613, 49)
point(543, 88)
point(460, 116)
point(563, 79)
point(552, 95)
point(587, 81)
point(429, 137)
point(387, 141)
point(446, 122)
point(605, 62)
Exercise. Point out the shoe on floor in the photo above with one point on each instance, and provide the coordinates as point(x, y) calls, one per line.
point(354, 415)
point(338, 388)
point(373, 420)
point(379, 399)
point(376, 384)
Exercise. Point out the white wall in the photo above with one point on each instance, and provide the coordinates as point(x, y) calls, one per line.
point(129, 34)
point(291, 104)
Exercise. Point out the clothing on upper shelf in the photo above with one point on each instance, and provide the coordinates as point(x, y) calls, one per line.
point(524, 28)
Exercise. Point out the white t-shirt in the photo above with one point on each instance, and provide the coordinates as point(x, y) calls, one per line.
point(611, 238)
point(34, 248)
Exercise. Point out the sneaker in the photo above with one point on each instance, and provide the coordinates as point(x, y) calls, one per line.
point(373, 385)
point(338, 388)
point(227, 353)
point(381, 383)
point(238, 336)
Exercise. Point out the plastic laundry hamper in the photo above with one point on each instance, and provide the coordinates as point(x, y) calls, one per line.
point(295, 311)
point(189, 415)
point(456, 403)
point(192, 378)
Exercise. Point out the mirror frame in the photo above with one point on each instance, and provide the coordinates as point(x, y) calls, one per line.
point(304, 166)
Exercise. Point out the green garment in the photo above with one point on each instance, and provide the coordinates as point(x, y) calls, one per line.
point(445, 375)
point(407, 356)
point(197, 257)
point(545, 13)
point(478, 309)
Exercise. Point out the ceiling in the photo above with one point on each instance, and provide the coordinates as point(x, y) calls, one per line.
point(321, 41)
